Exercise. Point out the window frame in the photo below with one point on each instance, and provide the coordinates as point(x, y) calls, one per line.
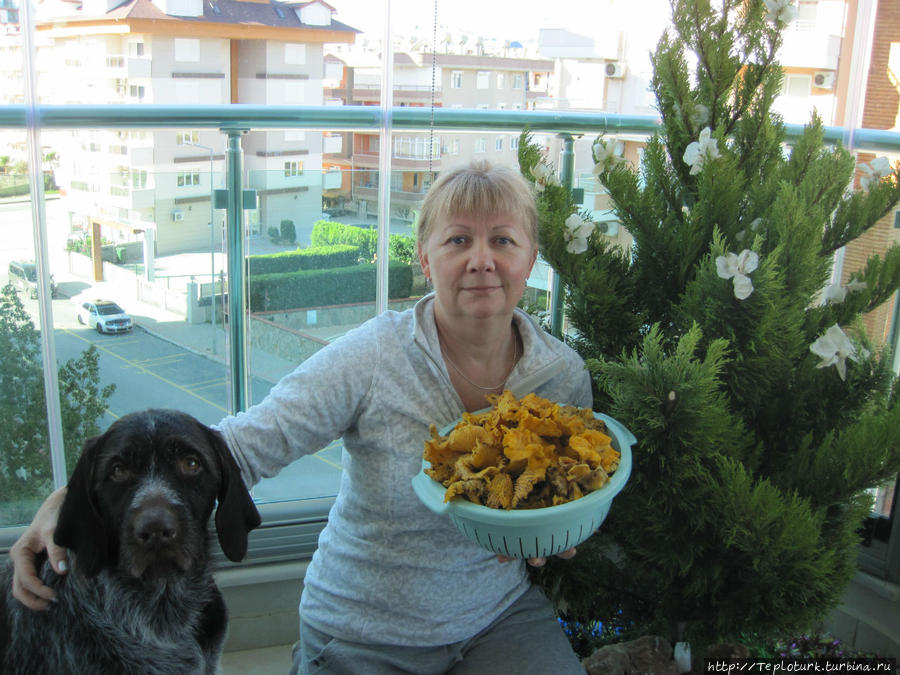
point(293, 168)
point(187, 179)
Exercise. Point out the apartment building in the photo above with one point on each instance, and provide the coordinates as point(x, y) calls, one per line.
point(423, 79)
point(157, 185)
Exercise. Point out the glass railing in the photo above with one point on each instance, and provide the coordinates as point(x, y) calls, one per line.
point(186, 254)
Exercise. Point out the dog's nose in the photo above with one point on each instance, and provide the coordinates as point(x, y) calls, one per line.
point(155, 525)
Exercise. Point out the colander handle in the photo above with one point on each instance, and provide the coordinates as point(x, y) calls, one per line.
point(428, 493)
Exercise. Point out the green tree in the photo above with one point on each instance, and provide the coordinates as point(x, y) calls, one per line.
point(25, 473)
point(762, 412)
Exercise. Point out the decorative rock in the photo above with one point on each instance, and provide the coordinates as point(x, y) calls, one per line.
point(650, 655)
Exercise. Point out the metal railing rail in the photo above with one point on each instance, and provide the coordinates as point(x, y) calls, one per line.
point(245, 116)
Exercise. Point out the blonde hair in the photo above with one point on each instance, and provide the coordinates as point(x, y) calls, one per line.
point(481, 190)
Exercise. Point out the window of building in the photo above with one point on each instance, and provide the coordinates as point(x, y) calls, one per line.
point(295, 54)
point(797, 86)
point(187, 137)
point(483, 80)
point(187, 178)
point(136, 92)
point(138, 179)
point(135, 48)
point(807, 11)
point(293, 168)
point(498, 143)
point(187, 50)
point(480, 144)
point(456, 79)
point(413, 147)
point(514, 143)
point(518, 82)
point(501, 80)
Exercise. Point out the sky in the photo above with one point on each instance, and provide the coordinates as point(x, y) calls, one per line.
point(518, 20)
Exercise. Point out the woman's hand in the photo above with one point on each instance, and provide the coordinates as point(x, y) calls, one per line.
point(27, 587)
point(540, 562)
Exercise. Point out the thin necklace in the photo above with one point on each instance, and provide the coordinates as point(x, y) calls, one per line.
point(478, 386)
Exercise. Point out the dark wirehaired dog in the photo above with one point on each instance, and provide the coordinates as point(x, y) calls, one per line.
point(139, 597)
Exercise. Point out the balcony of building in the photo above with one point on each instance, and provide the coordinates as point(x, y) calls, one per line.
point(121, 66)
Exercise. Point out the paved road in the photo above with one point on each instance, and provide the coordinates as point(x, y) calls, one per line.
point(149, 371)
point(152, 372)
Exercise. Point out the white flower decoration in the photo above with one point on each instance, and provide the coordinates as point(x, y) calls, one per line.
point(604, 154)
point(739, 267)
point(835, 348)
point(698, 152)
point(577, 233)
point(543, 176)
point(700, 115)
point(874, 171)
point(780, 11)
point(836, 294)
point(754, 226)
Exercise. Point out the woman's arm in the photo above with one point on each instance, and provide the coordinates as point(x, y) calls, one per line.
point(27, 587)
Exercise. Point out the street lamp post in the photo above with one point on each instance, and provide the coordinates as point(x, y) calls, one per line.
point(212, 242)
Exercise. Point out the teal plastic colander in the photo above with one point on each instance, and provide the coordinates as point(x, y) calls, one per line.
point(531, 533)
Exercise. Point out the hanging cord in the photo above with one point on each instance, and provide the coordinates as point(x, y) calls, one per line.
point(433, 70)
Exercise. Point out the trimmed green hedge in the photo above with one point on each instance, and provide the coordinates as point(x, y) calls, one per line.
point(314, 258)
point(319, 288)
point(329, 233)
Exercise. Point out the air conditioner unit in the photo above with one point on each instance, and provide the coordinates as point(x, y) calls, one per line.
point(608, 227)
point(177, 215)
point(824, 80)
point(615, 69)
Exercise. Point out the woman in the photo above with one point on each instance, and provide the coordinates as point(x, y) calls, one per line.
point(393, 587)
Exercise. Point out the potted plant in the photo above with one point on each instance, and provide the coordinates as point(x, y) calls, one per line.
point(763, 412)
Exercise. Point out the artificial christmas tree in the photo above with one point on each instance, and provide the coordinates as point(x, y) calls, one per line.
point(762, 412)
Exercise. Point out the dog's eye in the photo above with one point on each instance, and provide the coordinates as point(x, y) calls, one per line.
point(189, 464)
point(119, 473)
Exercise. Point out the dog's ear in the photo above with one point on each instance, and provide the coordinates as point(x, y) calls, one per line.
point(80, 527)
point(236, 513)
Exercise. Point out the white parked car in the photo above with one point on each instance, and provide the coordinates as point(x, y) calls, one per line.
point(104, 315)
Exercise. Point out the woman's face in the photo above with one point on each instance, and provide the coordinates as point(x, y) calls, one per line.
point(479, 267)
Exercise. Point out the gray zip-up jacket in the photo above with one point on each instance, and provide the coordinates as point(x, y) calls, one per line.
point(387, 570)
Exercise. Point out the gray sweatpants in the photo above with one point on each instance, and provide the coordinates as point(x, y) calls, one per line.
point(525, 639)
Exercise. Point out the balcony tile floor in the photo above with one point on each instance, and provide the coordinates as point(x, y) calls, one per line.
point(265, 661)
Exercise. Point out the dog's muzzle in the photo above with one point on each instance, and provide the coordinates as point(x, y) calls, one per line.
point(157, 538)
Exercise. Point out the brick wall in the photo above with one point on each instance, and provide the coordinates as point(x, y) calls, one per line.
point(882, 97)
point(880, 111)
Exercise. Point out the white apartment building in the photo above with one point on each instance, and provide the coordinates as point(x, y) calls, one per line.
point(138, 184)
point(459, 81)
